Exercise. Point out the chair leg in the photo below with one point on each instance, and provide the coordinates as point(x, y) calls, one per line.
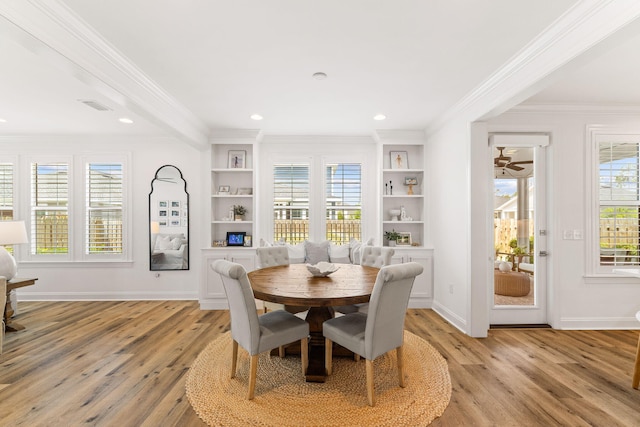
point(400, 357)
point(356, 357)
point(281, 351)
point(253, 370)
point(328, 354)
point(636, 370)
point(304, 354)
point(234, 358)
point(370, 392)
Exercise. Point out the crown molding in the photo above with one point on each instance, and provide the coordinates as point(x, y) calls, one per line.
point(399, 135)
point(587, 27)
point(612, 109)
point(52, 31)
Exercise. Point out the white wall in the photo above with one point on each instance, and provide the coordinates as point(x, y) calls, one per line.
point(576, 301)
point(71, 281)
point(447, 157)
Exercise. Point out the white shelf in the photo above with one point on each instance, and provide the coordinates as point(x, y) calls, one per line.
point(403, 222)
point(232, 196)
point(235, 170)
point(404, 196)
point(216, 221)
point(402, 170)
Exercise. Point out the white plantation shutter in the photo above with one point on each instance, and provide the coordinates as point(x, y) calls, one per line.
point(49, 208)
point(291, 202)
point(6, 191)
point(343, 202)
point(619, 197)
point(104, 196)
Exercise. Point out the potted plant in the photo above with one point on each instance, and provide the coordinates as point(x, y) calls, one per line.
point(392, 236)
point(238, 212)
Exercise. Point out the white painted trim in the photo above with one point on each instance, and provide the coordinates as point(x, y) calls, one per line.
point(53, 31)
point(597, 323)
point(455, 320)
point(585, 28)
point(106, 296)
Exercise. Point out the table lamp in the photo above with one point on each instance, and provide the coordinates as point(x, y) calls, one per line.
point(11, 233)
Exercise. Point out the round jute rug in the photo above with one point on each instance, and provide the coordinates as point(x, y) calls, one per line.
point(283, 398)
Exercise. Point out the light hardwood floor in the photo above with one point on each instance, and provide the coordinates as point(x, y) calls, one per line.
point(124, 364)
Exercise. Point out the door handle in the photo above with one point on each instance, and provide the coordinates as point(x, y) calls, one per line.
point(543, 253)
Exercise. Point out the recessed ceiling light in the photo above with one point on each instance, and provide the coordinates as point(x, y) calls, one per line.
point(125, 120)
point(319, 76)
point(256, 117)
point(3, 120)
point(379, 117)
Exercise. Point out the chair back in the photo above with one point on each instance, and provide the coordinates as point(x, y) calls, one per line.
point(245, 328)
point(376, 256)
point(272, 256)
point(384, 329)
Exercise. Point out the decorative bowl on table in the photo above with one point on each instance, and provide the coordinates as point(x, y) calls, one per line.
point(322, 269)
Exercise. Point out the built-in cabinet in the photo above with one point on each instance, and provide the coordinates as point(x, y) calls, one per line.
point(422, 292)
point(403, 191)
point(213, 296)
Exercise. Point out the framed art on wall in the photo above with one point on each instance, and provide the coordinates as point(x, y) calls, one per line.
point(237, 159)
point(399, 160)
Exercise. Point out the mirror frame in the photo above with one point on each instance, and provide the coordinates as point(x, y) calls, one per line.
point(155, 181)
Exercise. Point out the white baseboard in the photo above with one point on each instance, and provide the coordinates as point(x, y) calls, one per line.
point(420, 302)
point(450, 317)
point(597, 323)
point(105, 296)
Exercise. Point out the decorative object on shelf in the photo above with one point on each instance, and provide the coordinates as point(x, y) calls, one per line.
point(237, 159)
point(224, 190)
point(403, 215)
point(11, 233)
point(391, 188)
point(322, 269)
point(231, 216)
point(392, 237)
point(410, 182)
point(404, 239)
point(238, 212)
point(394, 214)
point(219, 243)
point(245, 191)
point(399, 160)
point(235, 238)
point(247, 240)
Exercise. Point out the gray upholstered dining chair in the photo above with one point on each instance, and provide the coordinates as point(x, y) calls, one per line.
point(372, 256)
point(272, 256)
point(382, 328)
point(254, 333)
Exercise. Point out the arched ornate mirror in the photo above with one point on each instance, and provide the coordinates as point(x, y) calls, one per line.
point(168, 220)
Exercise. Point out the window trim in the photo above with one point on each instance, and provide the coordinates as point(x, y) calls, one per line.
point(596, 135)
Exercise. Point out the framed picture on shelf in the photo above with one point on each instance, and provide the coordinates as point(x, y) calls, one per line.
point(410, 180)
point(404, 239)
point(247, 240)
point(245, 191)
point(399, 160)
point(235, 238)
point(237, 159)
point(224, 190)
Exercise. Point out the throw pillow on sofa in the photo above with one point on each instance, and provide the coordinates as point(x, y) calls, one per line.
point(339, 253)
point(316, 252)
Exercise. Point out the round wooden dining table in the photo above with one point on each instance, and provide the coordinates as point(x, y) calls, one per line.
point(294, 285)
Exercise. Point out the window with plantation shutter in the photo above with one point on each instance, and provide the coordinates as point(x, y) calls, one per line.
point(291, 202)
point(49, 208)
point(619, 202)
point(6, 191)
point(104, 199)
point(343, 201)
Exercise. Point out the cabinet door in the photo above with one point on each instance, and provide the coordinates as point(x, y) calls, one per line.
point(422, 292)
point(213, 288)
point(248, 261)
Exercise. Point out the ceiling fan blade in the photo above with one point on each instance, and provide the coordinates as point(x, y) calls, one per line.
point(514, 167)
point(522, 162)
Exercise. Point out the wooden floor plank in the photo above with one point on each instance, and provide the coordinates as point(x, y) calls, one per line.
point(125, 362)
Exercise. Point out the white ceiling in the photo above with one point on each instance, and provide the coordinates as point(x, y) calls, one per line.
point(218, 62)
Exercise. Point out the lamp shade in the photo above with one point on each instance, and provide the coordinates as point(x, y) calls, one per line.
point(12, 233)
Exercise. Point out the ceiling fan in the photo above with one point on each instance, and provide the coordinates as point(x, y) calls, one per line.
point(503, 161)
